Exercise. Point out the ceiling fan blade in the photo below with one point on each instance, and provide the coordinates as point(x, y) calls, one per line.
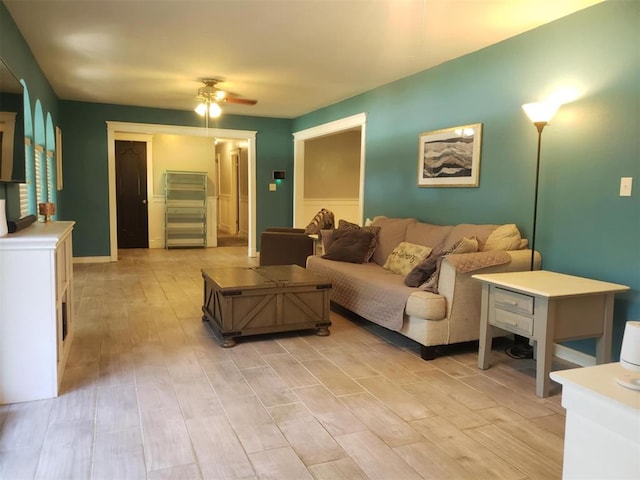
point(243, 101)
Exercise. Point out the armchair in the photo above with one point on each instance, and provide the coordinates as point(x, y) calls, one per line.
point(289, 246)
point(285, 246)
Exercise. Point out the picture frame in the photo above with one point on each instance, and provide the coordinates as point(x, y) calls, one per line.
point(58, 158)
point(450, 157)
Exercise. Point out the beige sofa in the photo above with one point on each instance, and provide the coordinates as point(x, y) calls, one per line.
point(444, 309)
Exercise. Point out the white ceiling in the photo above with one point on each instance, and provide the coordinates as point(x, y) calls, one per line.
point(293, 56)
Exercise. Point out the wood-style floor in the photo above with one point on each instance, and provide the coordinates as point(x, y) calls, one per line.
point(148, 393)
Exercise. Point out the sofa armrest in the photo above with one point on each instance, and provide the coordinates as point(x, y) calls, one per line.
point(462, 293)
point(285, 248)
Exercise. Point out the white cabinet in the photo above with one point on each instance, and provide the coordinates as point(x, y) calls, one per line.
point(36, 310)
point(185, 209)
point(602, 433)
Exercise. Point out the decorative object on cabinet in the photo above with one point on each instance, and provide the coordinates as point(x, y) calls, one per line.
point(630, 356)
point(185, 209)
point(35, 336)
point(4, 229)
point(450, 157)
point(24, 222)
point(47, 209)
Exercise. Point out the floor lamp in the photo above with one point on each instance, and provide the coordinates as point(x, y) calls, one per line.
point(540, 114)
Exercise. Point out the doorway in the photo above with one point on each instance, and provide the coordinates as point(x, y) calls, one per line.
point(124, 130)
point(343, 208)
point(233, 181)
point(131, 194)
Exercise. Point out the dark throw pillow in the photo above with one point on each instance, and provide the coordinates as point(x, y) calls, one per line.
point(429, 269)
point(423, 271)
point(350, 245)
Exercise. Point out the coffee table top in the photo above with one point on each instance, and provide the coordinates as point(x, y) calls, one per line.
point(263, 277)
point(549, 284)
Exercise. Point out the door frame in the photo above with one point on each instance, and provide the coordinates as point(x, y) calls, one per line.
point(118, 128)
point(330, 128)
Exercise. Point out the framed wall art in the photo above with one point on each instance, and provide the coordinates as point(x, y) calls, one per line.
point(450, 157)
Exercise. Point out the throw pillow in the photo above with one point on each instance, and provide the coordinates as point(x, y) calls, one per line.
point(327, 237)
point(425, 274)
point(405, 257)
point(423, 271)
point(348, 225)
point(350, 245)
point(505, 237)
point(465, 245)
point(322, 220)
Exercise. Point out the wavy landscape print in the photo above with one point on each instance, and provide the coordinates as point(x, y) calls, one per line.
point(450, 157)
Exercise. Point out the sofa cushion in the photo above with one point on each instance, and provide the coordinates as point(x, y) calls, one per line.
point(505, 237)
point(392, 232)
point(405, 257)
point(428, 305)
point(351, 245)
point(427, 234)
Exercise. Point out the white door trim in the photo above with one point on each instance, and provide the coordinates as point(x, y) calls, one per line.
point(344, 124)
point(114, 129)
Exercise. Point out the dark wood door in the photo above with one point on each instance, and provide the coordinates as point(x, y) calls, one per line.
point(131, 194)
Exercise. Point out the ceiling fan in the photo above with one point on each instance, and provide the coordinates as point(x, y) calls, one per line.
point(210, 97)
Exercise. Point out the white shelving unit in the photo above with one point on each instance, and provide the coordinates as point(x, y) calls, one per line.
point(185, 209)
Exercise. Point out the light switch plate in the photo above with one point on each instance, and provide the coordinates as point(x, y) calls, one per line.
point(625, 186)
point(272, 187)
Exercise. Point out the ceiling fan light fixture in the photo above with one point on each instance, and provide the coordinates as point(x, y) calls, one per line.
point(201, 109)
point(214, 110)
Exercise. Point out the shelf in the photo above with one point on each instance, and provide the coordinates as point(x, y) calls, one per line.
point(185, 209)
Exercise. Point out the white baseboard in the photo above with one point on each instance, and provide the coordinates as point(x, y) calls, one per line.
point(91, 259)
point(573, 356)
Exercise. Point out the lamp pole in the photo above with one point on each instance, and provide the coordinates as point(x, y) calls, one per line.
point(540, 126)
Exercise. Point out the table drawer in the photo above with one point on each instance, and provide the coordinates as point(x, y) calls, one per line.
point(512, 322)
point(513, 302)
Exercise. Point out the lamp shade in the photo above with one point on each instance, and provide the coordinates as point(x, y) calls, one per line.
point(214, 110)
point(540, 111)
point(201, 109)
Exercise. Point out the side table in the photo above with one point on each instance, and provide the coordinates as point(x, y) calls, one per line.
point(546, 307)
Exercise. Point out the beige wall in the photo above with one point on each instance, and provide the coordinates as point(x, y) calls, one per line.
point(183, 153)
point(332, 166)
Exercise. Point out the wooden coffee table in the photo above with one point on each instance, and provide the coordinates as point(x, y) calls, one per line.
point(258, 300)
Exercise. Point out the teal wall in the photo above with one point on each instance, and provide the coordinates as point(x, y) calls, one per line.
point(584, 227)
point(17, 56)
point(85, 197)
